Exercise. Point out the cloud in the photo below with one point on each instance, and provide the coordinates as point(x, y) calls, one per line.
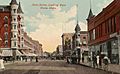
point(50, 28)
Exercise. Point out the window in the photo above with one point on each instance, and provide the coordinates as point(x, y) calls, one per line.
point(15, 44)
point(84, 37)
point(22, 45)
point(1, 9)
point(114, 24)
point(6, 44)
point(6, 36)
point(6, 20)
point(11, 35)
point(6, 27)
point(22, 38)
point(14, 26)
point(14, 10)
point(14, 19)
point(14, 36)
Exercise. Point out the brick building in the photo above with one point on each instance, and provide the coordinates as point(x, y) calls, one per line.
point(104, 31)
point(14, 39)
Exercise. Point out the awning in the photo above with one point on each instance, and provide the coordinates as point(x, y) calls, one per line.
point(7, 53)
point(18, 53)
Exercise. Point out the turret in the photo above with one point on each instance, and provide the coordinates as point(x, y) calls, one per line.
point(77, 34)
point(90, 15)
point(19, 10)
point(77, 28)
point(21, 25)
point(14, 24)
point(13, 2)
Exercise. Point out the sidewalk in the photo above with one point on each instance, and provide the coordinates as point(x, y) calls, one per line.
point(112, 67)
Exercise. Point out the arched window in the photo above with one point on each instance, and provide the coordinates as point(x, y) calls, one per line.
point(15, 44)
point(6, 44)
point(6, 36)
point(22, 38)
point(6, 20)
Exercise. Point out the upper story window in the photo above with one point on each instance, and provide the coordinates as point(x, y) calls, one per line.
point(14, 26)
point(6, 44)
point(22, 38)
point(22, 45)
point(15, 44)
point(1, 9)
point(6, 20)
point(15, 36)
point(84, 37)
point(14, 19)
point(6, 36)
point(14, 10)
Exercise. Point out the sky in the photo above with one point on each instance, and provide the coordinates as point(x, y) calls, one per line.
point(48, 25)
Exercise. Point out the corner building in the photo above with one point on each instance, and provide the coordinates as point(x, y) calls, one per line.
point(104, 32)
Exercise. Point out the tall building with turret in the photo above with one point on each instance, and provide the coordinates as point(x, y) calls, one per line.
point(11, 27)
point(14, 40)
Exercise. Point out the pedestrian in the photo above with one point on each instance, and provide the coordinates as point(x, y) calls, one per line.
point(2, 67)
point(97, 57)
point(106, 62)
point(82, 59)
point(94, 61)
point(36, 58)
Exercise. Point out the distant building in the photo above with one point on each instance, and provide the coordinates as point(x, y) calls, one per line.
point(59, 50)
point(69, 42)
point(104, 32)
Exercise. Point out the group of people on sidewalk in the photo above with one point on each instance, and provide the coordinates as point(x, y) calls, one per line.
point(101, 62)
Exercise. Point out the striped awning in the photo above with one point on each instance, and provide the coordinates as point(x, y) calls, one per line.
point(18, 53)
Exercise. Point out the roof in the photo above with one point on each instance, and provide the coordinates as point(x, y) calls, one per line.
point(13, 2)
point(90, 14)
point(77, 28)
point(4, 8)
point(19, 10)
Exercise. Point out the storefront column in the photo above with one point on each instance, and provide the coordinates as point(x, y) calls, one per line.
point(119, 47)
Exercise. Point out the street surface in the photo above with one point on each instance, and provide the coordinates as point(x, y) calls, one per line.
point(49, 67)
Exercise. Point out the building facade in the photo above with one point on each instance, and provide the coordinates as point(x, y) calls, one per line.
point(59, 50)
point(104, 31)
point(69, 42)
point(14, 39)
